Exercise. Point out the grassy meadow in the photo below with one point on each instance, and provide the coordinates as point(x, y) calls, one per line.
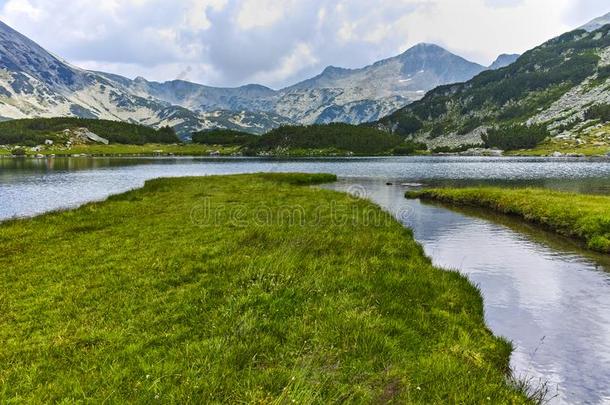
point(132, 150)
point(579, 216)
point(241, 289)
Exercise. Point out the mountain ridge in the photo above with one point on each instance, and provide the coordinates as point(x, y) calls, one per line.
point(35, 83)
point(553, 85)
point(504, 60)
point(596, 23)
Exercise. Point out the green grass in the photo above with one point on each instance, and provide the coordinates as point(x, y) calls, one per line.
point(579, 216)
point(547, 149)
point(147, 149)
point(593, 141)
point(237, 289)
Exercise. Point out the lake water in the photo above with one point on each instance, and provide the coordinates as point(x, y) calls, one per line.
point(547, 295)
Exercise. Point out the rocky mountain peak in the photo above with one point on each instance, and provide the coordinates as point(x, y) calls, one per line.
point(597, 23)
point(503, 61)
point(425, 48)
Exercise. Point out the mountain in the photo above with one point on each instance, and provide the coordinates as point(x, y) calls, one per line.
point(555, 85)
point(336, 95)
point(596, 23)
point(366, 94)
point(417, 70)
point(35, 83)
point(503, 61)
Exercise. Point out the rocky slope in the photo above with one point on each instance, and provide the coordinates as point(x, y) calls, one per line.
point(504, 60)
point(596, 23)
point(554, 84)
point(35, 83)
point(336, 95)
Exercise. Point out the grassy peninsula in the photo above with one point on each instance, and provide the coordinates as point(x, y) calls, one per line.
point(583, 217)
point(249, 288)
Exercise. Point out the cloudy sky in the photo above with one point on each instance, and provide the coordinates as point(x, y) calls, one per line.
point(279, 42)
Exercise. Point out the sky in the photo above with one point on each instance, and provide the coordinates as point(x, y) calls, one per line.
point(280, 42)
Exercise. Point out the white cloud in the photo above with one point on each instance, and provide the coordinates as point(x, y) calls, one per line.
point(23, 9)
point(278, 42)
point(262, 13)
point(197, 18)
point(302, 56)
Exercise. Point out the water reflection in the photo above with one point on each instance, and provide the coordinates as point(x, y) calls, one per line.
point(546, 294)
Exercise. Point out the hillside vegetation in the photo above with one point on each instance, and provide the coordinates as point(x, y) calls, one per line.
point(519, 94)
point(224, 137)
point(237, 289)
point(32, 132)
point(512, 137)
point(359, 140)
point(313, 139)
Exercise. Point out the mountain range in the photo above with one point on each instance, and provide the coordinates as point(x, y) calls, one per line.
point(35, 83)
point(563, 85)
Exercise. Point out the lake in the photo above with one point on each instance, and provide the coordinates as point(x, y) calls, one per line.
point(544, 293)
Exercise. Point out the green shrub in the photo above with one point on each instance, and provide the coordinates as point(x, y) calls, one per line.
point(598, 112)
point(454, 149)
point(409, 148)
point(18, 152)
point(514, 137)
point(408, 124)
point(225, 137)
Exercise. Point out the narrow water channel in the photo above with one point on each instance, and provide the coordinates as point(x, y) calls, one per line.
point(547, 295)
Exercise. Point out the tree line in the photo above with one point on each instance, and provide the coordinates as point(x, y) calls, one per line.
point(32, 132)
point(340, 137)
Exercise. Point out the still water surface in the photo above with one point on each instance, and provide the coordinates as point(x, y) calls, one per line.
point(544, 293)
point(547, 295)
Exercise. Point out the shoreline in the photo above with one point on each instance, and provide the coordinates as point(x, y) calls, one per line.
point(296, 156)
point(548, 209)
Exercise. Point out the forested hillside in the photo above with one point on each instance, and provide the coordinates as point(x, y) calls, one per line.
point(341, 137)
point(31, 132)
point(554, 84)
point(225, 137)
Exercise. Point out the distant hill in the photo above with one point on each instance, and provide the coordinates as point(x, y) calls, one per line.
point(554, 84)
point(359, 140)
point(31, 132)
